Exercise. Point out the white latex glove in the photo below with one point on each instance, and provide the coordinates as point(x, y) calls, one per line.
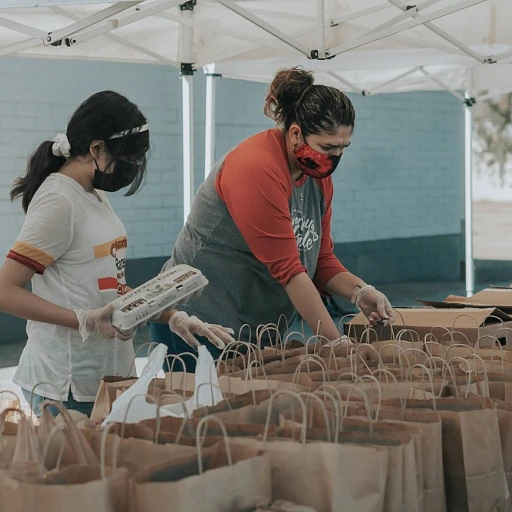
point(374, 305)
point(96, 322)
point(186, 326)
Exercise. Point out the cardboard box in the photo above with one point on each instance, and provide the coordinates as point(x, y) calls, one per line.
point(471, 322)
point(500, 298)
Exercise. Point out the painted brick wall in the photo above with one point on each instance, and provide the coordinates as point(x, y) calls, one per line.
point(401, 177)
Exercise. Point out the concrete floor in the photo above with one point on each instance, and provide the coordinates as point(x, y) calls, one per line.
point(492, 225)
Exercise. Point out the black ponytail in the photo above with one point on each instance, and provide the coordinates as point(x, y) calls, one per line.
point(40, 165)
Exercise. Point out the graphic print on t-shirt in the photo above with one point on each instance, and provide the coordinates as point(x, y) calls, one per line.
point(305, 230)
point(114, 249)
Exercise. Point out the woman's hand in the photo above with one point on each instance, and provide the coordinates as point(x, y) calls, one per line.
point(374, 305)
point(187, 326)
point(96, 322)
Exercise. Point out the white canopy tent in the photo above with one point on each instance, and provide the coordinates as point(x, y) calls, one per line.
point(367, 46)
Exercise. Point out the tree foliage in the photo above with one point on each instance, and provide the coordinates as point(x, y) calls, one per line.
point(492, 140)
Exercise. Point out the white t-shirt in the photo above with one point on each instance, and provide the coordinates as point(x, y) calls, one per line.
point(77, 246)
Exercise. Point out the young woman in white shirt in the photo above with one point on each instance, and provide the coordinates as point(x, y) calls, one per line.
point(72, 248)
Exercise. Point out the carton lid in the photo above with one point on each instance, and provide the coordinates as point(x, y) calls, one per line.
point(446, 317)
point(488, 298)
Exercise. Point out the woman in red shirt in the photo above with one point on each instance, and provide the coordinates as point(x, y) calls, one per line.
point(260, 225)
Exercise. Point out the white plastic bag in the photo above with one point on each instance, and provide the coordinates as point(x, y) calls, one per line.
point(207, 391)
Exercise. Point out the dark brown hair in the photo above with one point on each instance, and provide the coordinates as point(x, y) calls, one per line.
point(97, 118)
point(294, 98)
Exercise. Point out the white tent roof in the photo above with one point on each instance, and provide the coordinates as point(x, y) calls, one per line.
point(374, 41)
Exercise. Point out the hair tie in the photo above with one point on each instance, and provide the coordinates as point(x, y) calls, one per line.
point(61, 146)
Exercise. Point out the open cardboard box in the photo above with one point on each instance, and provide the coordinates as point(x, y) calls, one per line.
point(473, 323)
point(489, 298)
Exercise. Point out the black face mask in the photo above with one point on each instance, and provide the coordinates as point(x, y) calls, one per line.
point(123, 175)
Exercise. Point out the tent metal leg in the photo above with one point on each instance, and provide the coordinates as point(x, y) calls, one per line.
point(187, 84)
point(209, 142)
point(186, 36)
point(468, 201)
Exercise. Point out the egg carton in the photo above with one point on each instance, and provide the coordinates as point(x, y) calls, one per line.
point(174, 286)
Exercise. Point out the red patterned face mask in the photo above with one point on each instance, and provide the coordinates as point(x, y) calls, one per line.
point(315, 164)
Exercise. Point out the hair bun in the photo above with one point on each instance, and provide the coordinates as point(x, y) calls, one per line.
point(287, 88)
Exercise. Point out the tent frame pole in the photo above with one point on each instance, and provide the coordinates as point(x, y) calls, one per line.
point(121, 40)
point(441, 33)
point(420, 20)
point(439, 82)
point(186, 37)
point(347, 83)
point(393, 80)
point(468, 197)
point(267, 27)
point(209, 139)
point(89, 21)
point(320, 8)
point(135, 14)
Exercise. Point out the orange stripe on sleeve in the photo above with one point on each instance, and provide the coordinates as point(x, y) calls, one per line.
point(34, 265)
point(34, 254)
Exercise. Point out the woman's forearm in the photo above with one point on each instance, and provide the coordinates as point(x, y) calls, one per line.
point(20, 302)
point(308, 303)
point(343, 285)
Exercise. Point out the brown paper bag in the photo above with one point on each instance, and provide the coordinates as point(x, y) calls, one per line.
point(500, 386)
point(107, 393)
point(505, 426)
point(328, 477)
point(429, 422)
point(76, 488)
point(285, 506)
point(404, 474)
point(212, 483)
point(18, 440)
point(473, 464)
point(64, 446)
point(131, 453)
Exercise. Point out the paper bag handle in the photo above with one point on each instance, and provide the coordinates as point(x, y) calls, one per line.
point(336, 399)
point(268, 328)
point(449, 369)
point(316, 398)
point(365, 400)
point(200, 440)
point(405, 331)
point(313, 358)
point(32, 393)
point(296, 395)
point(150, 344)
point(367, 347)
point(400, 350)
point(401, 396)
point(294, 333)
point(429, 373)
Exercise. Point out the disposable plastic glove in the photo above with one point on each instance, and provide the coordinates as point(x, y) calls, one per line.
point(186, 326)
point(96, 322)
point(374, 305)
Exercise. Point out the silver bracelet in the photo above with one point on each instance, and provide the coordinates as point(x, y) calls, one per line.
point(357, 291)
